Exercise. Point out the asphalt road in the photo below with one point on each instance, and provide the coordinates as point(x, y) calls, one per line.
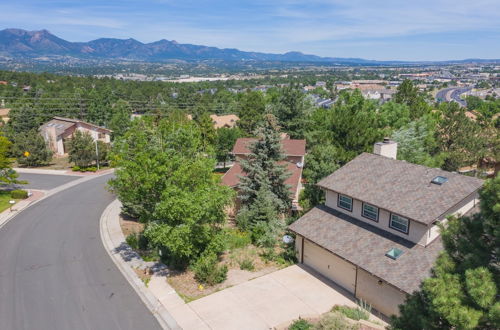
point(452, 94)
point(45, 181)
point(55, 273)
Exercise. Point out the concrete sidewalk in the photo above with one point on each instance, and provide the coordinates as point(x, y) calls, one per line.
point(158, 295)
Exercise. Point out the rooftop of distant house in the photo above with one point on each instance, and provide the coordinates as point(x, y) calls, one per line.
point(61, 124)
point(232, 177)
point(224, 120)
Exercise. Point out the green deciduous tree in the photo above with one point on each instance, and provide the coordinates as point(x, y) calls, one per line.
point(251, 112)
point(463, 291)
point(394, 115)
point(30, 149)
point(353, 126)
point(407, 93)
point(292, 109)
point(321, 161)
point(417, 143)
point(226, 137)
point(165, 178)
point(7, 174)
point(81, 149)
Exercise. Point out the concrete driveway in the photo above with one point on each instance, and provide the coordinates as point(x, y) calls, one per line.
point(266, 302)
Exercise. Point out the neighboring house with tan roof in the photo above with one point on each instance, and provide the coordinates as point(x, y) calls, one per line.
point(57, 131)
point(377, 235)
point(228, 121)
point(294, 151)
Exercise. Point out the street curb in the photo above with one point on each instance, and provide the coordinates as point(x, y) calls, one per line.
point(164, 318)
point(52, 192)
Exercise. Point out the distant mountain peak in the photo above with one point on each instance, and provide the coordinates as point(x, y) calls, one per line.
point(19, 43)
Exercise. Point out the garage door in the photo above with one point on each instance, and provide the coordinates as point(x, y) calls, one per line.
point(330, 266)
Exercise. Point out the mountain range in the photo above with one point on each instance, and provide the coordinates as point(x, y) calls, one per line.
point(18, 43)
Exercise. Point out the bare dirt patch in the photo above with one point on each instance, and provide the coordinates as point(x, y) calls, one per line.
point(130, 226)
point(144, 275)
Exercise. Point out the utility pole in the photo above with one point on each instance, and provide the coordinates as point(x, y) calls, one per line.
point(97, 154)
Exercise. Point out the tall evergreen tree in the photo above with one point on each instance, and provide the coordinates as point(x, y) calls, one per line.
point(292, 109)
point(120, 119)
point(263, 168)
point(459, 137)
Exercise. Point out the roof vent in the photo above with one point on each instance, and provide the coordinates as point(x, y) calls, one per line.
point(439, 180)
point(394, 253)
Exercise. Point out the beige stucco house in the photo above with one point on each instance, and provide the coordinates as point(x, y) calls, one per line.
point(377, 235)
point(59, 130)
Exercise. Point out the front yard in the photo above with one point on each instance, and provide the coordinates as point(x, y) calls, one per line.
point(243, 260)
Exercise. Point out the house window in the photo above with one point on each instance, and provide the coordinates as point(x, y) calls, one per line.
point(345, 202)
point(399, 223)
point(370, 212)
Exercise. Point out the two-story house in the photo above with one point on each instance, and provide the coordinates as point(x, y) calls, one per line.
point(59, 130)
point(294, 151)
point(377, 235)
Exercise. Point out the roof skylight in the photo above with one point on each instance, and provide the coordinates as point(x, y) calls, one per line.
point(439, 180)
point(394, 253)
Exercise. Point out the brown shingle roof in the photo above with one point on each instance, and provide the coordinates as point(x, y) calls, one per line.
point(291, 147)
point(401, 187)
point(366, 246)
point(232, 177)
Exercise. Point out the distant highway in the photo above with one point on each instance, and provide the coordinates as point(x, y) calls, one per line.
point(452, 94)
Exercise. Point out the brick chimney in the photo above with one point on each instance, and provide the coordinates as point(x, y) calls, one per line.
point(386, 148)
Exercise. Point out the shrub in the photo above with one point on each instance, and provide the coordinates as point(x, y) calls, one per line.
point(133, 241)
point(335, 321)
point(90, 169)
point(352, 313)
point(76, 168)
point(300, 325)
point(268, 254)
point(208, 271)
point(19, 194)
point(237, 239)
point(265, 234)
point(247, 264)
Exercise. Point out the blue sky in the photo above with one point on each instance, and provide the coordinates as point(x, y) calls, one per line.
point(389, 29)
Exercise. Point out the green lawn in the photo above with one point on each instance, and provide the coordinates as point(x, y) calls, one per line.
point(4, 200)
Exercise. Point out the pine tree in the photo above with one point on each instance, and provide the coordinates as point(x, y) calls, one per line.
point(263, 168)
point(30, 149)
